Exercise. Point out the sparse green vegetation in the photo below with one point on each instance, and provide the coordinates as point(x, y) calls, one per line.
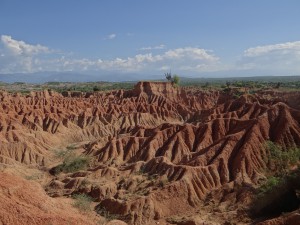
point(84, 183)
point(71, 147)
point(285, 83)
point(82, 202)
point(253, 84)
point(174, 79)
point(53, 83)
point(60, 87)
point(278, 192)
point(72, 164)
point(280, 160)
point(33, 177)
point(277, 195)
point(269, 185)
point(61, 154)
point(96, 88)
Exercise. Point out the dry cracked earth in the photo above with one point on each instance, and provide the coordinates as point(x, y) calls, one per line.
point(157, 154)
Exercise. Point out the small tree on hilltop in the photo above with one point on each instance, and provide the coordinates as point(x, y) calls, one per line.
point(168, 76)
point(174, 79)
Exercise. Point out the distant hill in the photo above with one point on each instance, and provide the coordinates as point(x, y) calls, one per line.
point(257, 78)
point(43, 77)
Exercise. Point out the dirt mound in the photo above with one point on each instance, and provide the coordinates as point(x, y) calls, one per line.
point(154, 152)
point(25, 202)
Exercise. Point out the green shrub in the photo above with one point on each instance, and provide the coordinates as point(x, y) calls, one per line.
point(277, 193)
point(72, 164)
point(176, 80)
point(75, 163)
point(82, 202)
point(96, 88)
point(269, 185)
point(281, 159)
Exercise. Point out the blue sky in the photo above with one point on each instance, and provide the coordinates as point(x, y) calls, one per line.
point(192, 37)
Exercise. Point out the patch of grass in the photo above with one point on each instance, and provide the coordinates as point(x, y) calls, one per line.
point(61, 154)
point(71, 147)
point(72, 164)
point(32, 177)
point(82, 202)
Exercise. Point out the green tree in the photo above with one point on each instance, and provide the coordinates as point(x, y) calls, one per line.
point(175, 79)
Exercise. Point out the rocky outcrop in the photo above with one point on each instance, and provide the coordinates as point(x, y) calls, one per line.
point(292, 218)
point(157, 150)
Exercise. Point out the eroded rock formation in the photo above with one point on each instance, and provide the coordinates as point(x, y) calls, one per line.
point(156, 151)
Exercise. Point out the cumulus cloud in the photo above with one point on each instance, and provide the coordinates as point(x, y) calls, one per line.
point(25, 57)
point(22, 48)
point(161, 46)
point(278, 58)
point(19, 56)
point(191, 53)
point(282, 48)
point(175, 58)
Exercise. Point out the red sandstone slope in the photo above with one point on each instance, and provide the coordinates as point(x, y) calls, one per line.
point(156, 151)
point(32, 124)
point(25, 202)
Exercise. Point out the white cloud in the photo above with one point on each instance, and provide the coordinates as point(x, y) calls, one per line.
point(161, 46)
point(110, 37)
point(21, 48)
point(29, 58)
point(19, 56)
point(282, 48)
point(175, 58)
point(282, 58)
point(191, 53)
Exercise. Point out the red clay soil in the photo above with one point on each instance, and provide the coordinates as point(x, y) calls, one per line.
point(287, 219)
point(156, 151)
point(25, 202)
